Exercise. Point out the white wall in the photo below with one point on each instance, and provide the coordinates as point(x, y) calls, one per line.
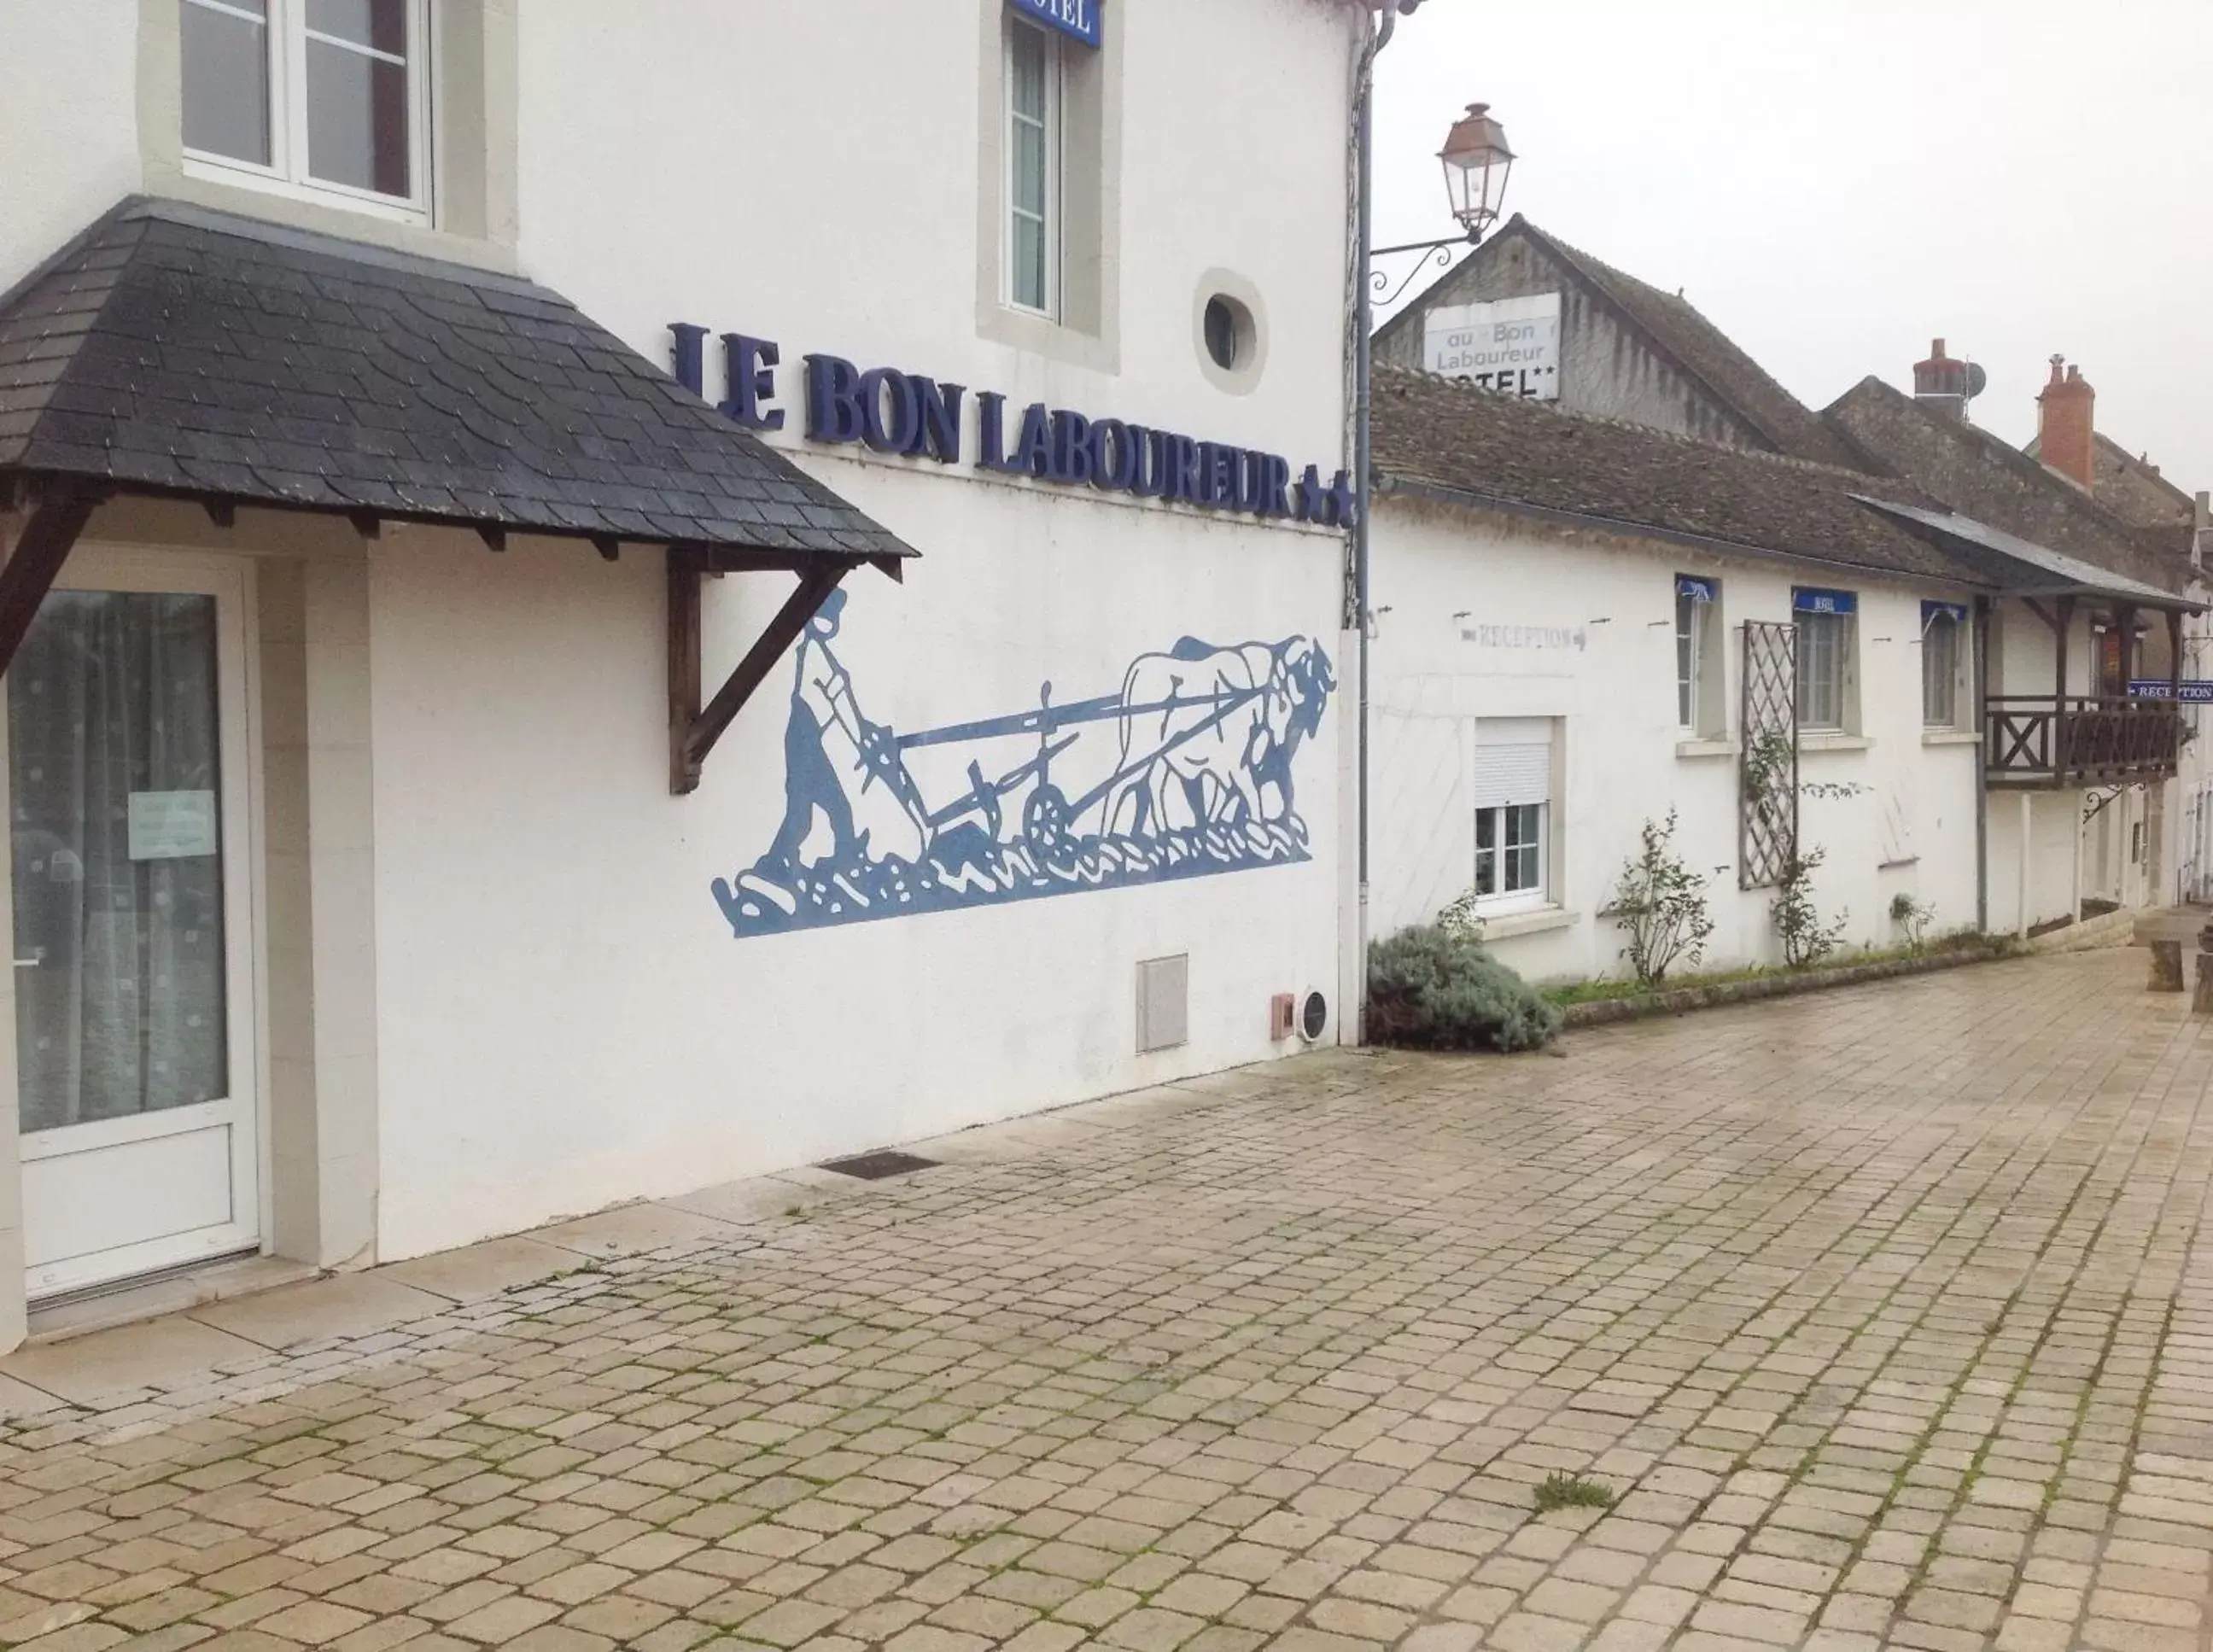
point(1911, 829)
point(566, 1017)
point(68, 122)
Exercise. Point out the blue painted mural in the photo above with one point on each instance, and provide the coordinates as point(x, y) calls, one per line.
point(1187, 772)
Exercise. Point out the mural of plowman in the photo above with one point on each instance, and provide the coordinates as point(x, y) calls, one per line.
point(1189, 771)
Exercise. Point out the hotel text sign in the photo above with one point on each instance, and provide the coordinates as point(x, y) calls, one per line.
point(895, 412)
point(1076, 18)
point(1511, 345)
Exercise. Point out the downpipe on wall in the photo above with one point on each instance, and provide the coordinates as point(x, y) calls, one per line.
point(1362, 462)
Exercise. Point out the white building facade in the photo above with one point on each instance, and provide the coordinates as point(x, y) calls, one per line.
point(1585, 627)
point(447, 914)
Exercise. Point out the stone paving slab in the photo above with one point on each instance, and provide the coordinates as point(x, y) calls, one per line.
point(1884, 1317)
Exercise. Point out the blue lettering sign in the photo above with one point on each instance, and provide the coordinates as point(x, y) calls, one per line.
point(1077, 19)
point(916, 417)
point(2192, 692)
point(1811, 601)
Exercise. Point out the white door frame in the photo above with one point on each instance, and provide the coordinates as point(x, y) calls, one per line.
point(230, 581)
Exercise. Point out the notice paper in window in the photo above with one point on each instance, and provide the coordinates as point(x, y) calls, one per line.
point(170, 826)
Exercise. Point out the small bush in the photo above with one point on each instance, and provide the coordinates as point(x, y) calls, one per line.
point(1661, 905)
point(1430, 988)
point(1914, 917)
point(1806, 939)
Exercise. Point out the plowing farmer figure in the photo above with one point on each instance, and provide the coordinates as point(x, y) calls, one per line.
point(842, 766)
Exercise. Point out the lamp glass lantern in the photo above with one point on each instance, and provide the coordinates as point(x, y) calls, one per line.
point(1477, 164)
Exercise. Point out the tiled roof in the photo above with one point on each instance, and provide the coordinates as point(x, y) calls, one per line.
point(177, 350)
point(1485, 446)
point(1974, 471)
point(1709, 354)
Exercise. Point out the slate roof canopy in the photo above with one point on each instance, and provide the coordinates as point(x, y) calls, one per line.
point(176, 349)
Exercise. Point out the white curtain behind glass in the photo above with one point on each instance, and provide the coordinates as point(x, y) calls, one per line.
point(120, 988)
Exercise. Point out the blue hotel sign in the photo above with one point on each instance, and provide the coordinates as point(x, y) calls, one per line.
point(892, 411)
point(1078, 19)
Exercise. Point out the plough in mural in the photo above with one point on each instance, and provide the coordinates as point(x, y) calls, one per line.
point(1187, 772)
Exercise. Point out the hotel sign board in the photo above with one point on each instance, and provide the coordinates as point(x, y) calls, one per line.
point(1077, 19)
point(1511, 345)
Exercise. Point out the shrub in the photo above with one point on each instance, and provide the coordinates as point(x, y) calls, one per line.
point(1806, 939)
point(1914, 917)
point(1430, 988)
point(1661, 903)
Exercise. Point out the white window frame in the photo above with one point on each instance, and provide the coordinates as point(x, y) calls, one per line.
point(1054, 122)
point(1847, 645)
point(1962, 652)
point(287, 174)
point(1529, 898)
point(1700, 713)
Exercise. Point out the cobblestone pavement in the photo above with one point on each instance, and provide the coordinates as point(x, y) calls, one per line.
point(1887, 1314)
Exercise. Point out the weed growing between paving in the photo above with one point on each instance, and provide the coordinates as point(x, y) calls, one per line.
point(1572, 1491)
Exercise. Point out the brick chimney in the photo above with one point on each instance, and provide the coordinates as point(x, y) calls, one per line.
point(2066, 424)
point(1941, 384)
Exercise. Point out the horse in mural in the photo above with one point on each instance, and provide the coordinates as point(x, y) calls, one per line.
point(1223, 725)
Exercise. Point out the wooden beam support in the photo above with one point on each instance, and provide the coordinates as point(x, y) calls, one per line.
point(684, 573)
point(224, 513)
point(607, 546)
point(39, 552)
point(706, 728)
point(493, 535)
point(2061, 728)
point(2040, 612)
point(366, 524)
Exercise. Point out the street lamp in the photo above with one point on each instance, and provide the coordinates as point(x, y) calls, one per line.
point(1476, 163)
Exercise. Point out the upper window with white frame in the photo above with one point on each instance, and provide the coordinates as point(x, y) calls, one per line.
point(1033, 149)
point(325, 99)
point(1828, 641)
point(1701, 701)
point(1944, 655)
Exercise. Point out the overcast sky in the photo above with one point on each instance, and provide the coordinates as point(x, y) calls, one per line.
point(1836, 182)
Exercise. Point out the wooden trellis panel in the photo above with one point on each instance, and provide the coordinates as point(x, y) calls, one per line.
point(1768, 767)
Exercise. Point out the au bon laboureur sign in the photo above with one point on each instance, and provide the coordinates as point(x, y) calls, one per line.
point(892, 412)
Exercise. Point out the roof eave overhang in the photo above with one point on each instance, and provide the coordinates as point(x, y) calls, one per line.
point(2019, 576)
point(19, 482)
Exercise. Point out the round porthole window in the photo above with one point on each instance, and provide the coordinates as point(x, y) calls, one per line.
point(1222, 331)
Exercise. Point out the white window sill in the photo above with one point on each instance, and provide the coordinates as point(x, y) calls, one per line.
point(1705, 748)
point(1506, 925)
point(1950, 737)
point(1832, 740)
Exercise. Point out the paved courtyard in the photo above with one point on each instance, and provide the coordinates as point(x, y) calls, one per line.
point(1885, 1315)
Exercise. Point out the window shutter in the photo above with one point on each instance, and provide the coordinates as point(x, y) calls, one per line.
point(1508, 774)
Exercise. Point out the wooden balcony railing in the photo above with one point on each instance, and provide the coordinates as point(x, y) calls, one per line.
point(2041, 740)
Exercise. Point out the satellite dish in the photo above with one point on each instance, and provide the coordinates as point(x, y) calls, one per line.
point(1978, 380)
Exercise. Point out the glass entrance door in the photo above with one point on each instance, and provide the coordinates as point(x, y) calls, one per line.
point(134, 1038)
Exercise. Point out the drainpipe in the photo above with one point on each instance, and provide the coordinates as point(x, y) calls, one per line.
point(2021, 916)
point(1981, 679)
point(1362, 459)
